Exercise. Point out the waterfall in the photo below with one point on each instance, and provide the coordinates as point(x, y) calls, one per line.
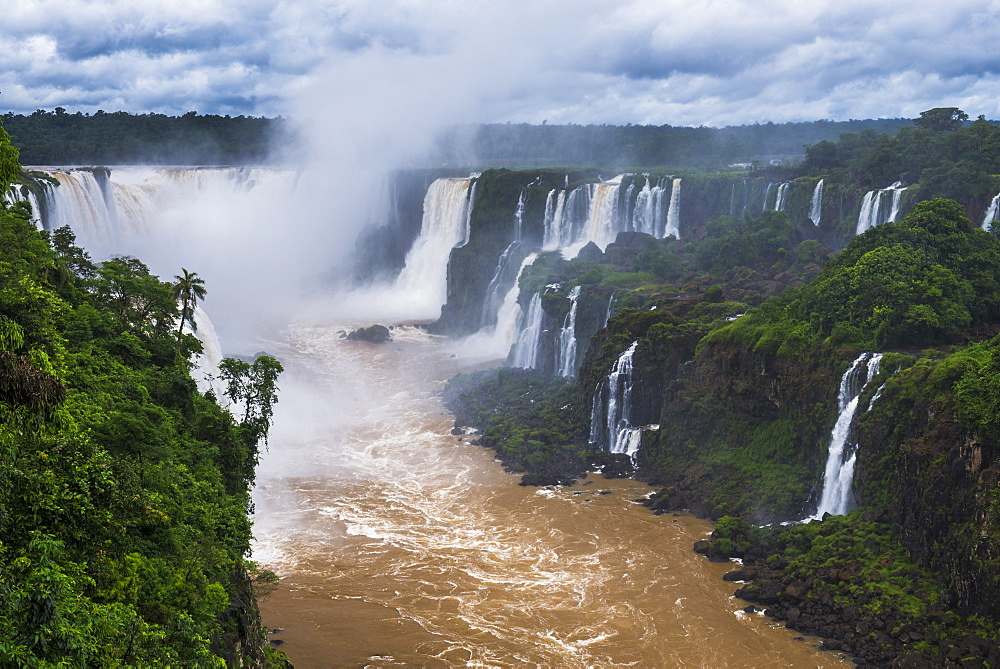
point(470, 203)
point(555, 205)
point(525, 351)
point(608, 312)
point(767, 193)
point(206, 365)
point(991, 213)
point(495, 293)
point(871, 207)
point(444, 227)
point(816, 206)
point(648, 212)
point(615, 432)
point(839, 474)
point(18, 193)
point(519, 214)
point(674, 211)
point(566, 360)
point(603, 222)
point(779, 198)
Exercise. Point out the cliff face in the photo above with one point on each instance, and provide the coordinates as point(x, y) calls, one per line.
point(937, 480)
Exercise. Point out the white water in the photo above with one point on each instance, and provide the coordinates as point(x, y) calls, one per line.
point(674, 211)
point(816, 206)
point(423, 281)
point(779, 199)
point(525, 351)
point(495, 343)
point(555, 205)
point(648, 210)
point(872, 206)
point(839, 473)
point(17, 193)
point(206, 365)
point(610, 424)
point(566, 362)
point(991, 213)
point(495, 293)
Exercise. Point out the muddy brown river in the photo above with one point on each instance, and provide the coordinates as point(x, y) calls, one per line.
point(401, 545)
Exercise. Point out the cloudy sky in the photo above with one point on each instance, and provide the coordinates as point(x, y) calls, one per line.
point(682, 62)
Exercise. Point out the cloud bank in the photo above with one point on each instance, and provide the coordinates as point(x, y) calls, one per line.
point(678, 62)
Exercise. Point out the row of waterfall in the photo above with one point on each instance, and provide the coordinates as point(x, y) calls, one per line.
point(837, 497)
point(749, 197)
point(18, 193)
point(598, 212)
point(879, 206)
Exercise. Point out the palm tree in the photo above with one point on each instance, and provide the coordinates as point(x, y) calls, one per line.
point(188, 289)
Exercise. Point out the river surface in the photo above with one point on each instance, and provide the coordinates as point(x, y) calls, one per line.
point(402, 545)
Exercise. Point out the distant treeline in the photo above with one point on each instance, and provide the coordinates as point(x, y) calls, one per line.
point(61, 138)
point(644, 146)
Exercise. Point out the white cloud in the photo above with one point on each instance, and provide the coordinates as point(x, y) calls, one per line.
point(642, 61)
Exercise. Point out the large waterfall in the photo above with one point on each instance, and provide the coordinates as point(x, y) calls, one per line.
point(816, 206)
point(674, 211)
point(837, 498)
point(875, 210)
point(424, 277)
point(566, 362)
point(610, 421)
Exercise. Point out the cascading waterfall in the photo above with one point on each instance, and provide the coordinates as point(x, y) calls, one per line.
point(566, 361)
point(816, 206)
point(206, 365)
point(495, 293)
point(779, 198)
point(555, 205)
point(525, 350)
point(872, 205)
point(603, 223)
point(839, 474)
point(18, 193)
point(674, 211)
point(444, 227)
point(991, 213)
point(648, 211)
point(610, 424)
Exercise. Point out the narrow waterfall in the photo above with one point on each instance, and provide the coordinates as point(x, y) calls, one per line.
point(991, 213)
point(470, 203)
point(837, 498)
point(18, 193)
point(767, 194)
point(608, 313)
point(674, 211)
point(525, 351)
point(816, 206)
point(871, 207)
point(779, 198)
point(566, 360)
point(610, 424)
point(444, 227)
point(518, 213)
point(495, 293)
point(206, 365)
point(505, 332)
point(555, 205)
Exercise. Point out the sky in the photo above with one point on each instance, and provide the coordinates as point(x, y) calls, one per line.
point(677, 62)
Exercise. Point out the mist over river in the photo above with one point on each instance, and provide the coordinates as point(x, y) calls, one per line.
point(400, 544)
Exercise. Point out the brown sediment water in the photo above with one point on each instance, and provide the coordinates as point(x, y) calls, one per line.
point(401, 545)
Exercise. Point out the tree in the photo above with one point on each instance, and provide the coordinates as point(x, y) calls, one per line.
point(256, 385)
point(9, 166)
point(188, 289)
point(942, 119)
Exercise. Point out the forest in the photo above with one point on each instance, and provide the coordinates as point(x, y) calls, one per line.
point(124, 490)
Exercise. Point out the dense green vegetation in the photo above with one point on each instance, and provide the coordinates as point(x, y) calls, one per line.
point(124, 491)
point(62, 138)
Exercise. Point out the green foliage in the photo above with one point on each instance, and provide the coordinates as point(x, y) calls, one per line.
point(911, 283)
point(123, 490)
point(9, 156)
